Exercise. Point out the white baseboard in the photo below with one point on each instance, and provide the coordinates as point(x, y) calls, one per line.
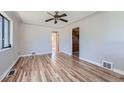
point(66, 52)
point(6, 72)
point(98, 64)
point(118, 71)
point(43, 53)
point(90, 61)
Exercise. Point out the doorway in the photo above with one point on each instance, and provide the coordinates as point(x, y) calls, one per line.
point(75, 42)
point(55, 42)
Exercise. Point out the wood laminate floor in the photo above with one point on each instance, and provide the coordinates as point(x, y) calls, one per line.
point(59, 68)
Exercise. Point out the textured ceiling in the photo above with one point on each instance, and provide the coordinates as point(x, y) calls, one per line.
point(39, 17)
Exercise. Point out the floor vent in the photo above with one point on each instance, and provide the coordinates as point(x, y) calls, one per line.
point(12, 72)
point(107, 65)
point(33, 53)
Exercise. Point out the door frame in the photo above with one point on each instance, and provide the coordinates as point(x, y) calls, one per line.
point(79, 38)
point(57, 40)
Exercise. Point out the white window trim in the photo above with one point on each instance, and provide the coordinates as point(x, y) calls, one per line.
point(6, 49)
point(11, 32)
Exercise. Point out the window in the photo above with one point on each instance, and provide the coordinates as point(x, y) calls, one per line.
point(0, 32)
point(4, 32)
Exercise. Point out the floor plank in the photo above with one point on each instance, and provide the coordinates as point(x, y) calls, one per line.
point(59, 67)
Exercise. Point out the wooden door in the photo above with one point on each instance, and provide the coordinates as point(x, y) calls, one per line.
point(75, 40)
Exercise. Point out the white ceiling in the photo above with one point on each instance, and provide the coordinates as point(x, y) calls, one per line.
point(39, 17)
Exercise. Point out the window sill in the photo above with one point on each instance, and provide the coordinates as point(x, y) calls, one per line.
point(6, 49)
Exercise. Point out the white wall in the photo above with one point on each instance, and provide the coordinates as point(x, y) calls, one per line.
point(35, 39)
point(101, 38)
point(0, 32)
point(9, 56)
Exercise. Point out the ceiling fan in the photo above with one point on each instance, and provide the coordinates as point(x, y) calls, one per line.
point(56, 17)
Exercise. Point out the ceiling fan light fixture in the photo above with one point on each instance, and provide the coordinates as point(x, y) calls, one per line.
point(57, 17)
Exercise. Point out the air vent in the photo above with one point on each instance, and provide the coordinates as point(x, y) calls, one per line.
point(107, 65)
point(12, 72)
point(33, 53)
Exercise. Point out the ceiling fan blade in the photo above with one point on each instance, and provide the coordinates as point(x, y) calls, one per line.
point(49, 19)
point(63, 15)
point(50, 14)
point(64, 20)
